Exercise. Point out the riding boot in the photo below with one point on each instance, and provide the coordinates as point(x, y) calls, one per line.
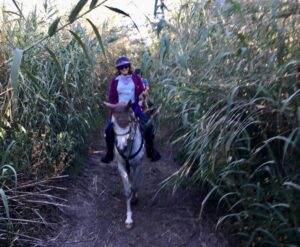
point(151, 152)
point(109, 138)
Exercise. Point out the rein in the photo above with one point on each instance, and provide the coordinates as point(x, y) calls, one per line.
point(130, 156)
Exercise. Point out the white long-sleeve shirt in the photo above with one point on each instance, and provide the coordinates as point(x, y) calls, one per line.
point(125, 88)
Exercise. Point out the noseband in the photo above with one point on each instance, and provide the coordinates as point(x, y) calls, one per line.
point(124, 134)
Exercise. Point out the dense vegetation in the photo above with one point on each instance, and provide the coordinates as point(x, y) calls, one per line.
point(227, 71)
point(50, 104)
point(230, 76)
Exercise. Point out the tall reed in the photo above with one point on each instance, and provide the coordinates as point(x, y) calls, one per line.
point(50, 100)
point(228, 72)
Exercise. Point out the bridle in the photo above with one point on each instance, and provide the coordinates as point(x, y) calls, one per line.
point(133, 125)
point(124, 134)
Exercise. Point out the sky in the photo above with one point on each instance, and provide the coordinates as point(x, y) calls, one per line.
point(137, 9)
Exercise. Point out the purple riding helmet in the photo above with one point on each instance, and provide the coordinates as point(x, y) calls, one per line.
point(122, 61)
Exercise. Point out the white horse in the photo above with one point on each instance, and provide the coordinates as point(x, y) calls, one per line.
point(129, 152)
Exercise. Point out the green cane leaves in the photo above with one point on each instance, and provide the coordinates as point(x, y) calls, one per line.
point(79, 40)
point(5, 204)
point(16, 63)
point(93, 4)
point(55, 60)
point(119, 11)
point(53, 27)
point(75, 11)
point(98, 37)
point(17, 58)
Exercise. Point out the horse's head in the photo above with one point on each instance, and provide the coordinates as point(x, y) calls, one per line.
point(122, 119)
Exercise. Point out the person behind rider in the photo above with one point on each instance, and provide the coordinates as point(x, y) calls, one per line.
point(127, 86)
point(143, 98)
point(138, 72)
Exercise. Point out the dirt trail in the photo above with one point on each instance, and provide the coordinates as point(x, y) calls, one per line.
point(96, 210)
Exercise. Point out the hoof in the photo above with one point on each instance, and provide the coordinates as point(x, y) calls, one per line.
point(129, 226)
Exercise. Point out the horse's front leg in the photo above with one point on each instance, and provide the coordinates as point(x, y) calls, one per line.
point(128, 193)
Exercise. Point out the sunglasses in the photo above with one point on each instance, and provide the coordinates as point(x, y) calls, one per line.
point(126, 66)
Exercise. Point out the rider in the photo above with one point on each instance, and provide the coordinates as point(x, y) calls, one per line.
point(127, 86)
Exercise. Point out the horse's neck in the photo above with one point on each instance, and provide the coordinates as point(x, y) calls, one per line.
point(137, 141)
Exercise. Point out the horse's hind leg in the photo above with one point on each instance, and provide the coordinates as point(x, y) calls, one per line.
point(136, 178)
point(128, 194)
point(134, 198)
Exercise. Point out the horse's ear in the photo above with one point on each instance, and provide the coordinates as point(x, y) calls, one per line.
point(128, 105)
point(109, 105)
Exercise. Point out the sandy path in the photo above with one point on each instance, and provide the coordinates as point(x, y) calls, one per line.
point(96, 210)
